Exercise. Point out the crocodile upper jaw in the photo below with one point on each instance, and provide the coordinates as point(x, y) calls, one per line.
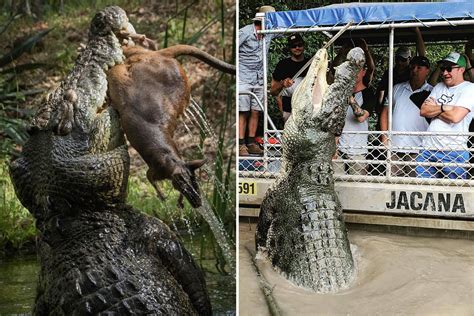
point(309, 94)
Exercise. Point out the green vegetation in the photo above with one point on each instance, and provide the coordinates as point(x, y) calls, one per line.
point(142, 196)
point(38, 49)
point(17, 227)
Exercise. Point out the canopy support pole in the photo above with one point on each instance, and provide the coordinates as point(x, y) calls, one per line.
point(390, 99)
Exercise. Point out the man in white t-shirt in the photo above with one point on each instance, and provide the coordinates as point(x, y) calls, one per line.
point(449, 106)
point(406, 117)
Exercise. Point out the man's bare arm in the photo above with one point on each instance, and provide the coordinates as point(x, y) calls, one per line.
point(447, 113)
point(368, 60)
point(277, 86)
point(453, 114)
point(384, 123)
point(420, 43)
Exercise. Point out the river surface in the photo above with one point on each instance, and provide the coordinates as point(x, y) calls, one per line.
point(18, 277)
point(396, 275)
point(17, 284)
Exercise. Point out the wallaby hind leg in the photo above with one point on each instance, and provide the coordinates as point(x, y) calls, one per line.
point(151, 178)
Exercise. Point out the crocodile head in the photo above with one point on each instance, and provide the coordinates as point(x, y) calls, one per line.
point(309, 93)
point(104, 44)
point(76, 156)
point(112, 19)
point(326, 105)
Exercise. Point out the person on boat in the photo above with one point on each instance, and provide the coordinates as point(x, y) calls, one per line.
point(353, 146)
point(285, 70)
point(401, 70)
point(251, 80)
point(449, 106)
point(406, 117)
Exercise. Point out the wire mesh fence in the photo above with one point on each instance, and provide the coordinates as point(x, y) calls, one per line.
point(385, 157)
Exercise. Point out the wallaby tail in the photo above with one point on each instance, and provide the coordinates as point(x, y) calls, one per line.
point(179, 50)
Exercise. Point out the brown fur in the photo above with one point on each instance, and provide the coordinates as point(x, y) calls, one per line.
point(150, 91)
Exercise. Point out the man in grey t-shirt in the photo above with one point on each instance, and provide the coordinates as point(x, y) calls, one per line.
point(251, 80)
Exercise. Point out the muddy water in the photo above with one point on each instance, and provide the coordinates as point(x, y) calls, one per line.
point(396, 275)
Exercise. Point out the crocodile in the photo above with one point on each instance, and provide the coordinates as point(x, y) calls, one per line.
point(300, 228)
point(98, 255)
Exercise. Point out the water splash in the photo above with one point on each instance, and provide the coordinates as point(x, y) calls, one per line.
point(196, 121)
point(196, 117)
point(219, 233)
point(184, 123)
point(200, 121)
point(195, 109)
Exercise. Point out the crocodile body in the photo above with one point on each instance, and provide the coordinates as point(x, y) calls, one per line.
point(301, 229)
point(97, 255)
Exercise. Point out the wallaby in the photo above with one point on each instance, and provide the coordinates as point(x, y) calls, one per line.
point(150, 91)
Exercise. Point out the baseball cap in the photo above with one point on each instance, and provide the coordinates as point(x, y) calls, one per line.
point(295, 38)
point(420, 61)
point(404, 52)
point(261, 12)
point(454, 59)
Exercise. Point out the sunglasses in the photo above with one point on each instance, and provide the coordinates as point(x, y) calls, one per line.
point(448, 68)
point(297, 45)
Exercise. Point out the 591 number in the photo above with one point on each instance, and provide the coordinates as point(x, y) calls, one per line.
point(248, 188)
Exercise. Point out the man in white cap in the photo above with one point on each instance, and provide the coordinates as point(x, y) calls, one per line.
point(251, 79)
point(450, 107)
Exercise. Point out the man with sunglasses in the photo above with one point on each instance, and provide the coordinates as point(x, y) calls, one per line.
point(284, 72)
point(406, 117)
point(450, 107)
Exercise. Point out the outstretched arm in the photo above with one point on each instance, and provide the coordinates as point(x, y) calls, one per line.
point(369, 73)
point(433, 80)
point(420, 43)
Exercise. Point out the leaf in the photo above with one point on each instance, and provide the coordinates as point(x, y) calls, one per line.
point(20, 68)
point(23, 112)
point(27, 45)
point(17, 136)
point(20, 94)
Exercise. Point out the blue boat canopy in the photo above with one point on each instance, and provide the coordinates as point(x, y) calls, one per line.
point(370, 13)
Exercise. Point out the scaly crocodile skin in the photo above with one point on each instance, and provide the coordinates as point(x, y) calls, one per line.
point(300, 228)
point(97, 254)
